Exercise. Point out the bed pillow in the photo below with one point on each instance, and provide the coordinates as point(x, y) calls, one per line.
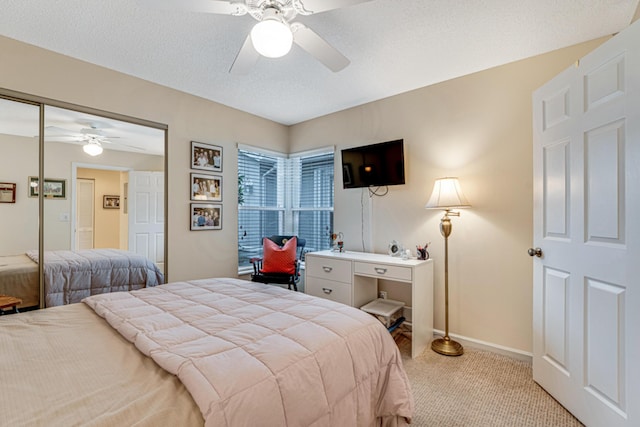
point(277, 259)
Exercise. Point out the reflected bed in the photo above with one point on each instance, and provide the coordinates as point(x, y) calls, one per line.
point(19, 278)
point(70, 276)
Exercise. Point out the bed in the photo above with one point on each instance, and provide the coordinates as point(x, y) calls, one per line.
point(213, 352)
point(70, 276)
point(19, 278)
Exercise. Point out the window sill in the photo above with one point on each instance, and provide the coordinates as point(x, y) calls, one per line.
point(243, 271)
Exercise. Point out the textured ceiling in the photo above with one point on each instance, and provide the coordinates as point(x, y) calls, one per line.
point(394, 45)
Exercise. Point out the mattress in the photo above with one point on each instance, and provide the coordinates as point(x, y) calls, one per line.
point(66, 366)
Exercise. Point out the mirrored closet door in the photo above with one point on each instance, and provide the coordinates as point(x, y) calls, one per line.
point(19, 210)
point(103, 183)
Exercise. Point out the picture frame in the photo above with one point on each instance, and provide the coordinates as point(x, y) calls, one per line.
point(53, 188)
point(206, 187)
point(206, 216)
point(206, 157)
point(110, 202)
point(7, 192)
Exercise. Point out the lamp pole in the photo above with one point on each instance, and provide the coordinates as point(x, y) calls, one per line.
point(446, 345)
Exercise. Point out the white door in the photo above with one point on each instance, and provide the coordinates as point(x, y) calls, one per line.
point(587, 224)
point(145, 207)
point(85, 202)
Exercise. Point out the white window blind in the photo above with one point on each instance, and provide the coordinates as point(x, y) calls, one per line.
point(286, 196)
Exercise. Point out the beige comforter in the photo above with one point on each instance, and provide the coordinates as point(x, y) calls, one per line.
point(65, 366)
point(258, 355)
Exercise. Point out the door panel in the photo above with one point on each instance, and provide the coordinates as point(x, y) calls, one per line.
point(587, 283)
point(605, 178)
point(556, 318)
point(85, 216)
point(146, 215)
point(556, 190)
point(605, 377)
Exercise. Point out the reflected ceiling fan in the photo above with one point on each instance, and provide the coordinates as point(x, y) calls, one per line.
point(91, 137)
point(275, 31)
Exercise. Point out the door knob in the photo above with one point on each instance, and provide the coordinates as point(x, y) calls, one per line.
point(537, 252)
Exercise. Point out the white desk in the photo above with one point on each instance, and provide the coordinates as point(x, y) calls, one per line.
point(352, 278)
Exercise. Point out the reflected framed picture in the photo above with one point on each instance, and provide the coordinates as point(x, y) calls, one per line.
point(206, 157)
point(53, 188)
point(206, 187)
point(7, 192)
point(110, 202)
point(346, 174)
point(205, 216)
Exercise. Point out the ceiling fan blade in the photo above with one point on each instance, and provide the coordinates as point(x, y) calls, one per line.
point(58, 131)
point(246, 58)
point(310, 41)
point(133, 147)
point(62, 138)
point(316, 6)
point(203, 6)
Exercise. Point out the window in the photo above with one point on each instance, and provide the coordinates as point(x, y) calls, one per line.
point(281, 194)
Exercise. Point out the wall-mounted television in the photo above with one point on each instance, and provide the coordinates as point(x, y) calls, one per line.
point(373, 165)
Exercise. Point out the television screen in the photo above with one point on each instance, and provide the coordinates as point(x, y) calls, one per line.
point(373, 165)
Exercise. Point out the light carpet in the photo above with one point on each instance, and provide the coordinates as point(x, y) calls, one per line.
point(479, 389)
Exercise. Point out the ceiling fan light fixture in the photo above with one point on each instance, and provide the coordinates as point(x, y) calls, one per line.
point(272, 37)
point(92, 148)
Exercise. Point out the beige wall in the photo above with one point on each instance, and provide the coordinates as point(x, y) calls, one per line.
point(190, 254)
point(19, 220)
point(479, 128)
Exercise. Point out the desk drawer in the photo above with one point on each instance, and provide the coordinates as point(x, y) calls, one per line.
point(338, 270)
point(383, 271)
point(334, 291)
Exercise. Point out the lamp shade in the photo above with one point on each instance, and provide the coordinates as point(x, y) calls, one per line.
point(272, 37)
point(447, 194)
point(92, 148)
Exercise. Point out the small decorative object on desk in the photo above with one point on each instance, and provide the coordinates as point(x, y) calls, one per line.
point(395, 249)
point(421, 252)
point(337, 242)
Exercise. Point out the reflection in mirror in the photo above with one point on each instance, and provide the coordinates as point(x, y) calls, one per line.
point(104, 184)
point(19, 154)
point(102, 189)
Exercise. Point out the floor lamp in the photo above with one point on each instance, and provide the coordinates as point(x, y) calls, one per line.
point(447, 195)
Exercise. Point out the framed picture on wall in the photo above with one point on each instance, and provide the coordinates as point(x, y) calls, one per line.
point(206, 157)
point(7, 192)
point(206, 216)
point(53, 188)
point(206, 187)
point(110, 202)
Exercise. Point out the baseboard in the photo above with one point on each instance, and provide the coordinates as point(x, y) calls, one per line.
point(483, 345)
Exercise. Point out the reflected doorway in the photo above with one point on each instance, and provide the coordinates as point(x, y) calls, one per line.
point(99, 222)
point(85, 208)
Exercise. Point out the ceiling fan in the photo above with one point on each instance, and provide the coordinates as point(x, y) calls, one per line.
point(92, 138)
point(275, 31)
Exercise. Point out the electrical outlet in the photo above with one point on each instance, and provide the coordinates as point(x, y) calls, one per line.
point(382, 294)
